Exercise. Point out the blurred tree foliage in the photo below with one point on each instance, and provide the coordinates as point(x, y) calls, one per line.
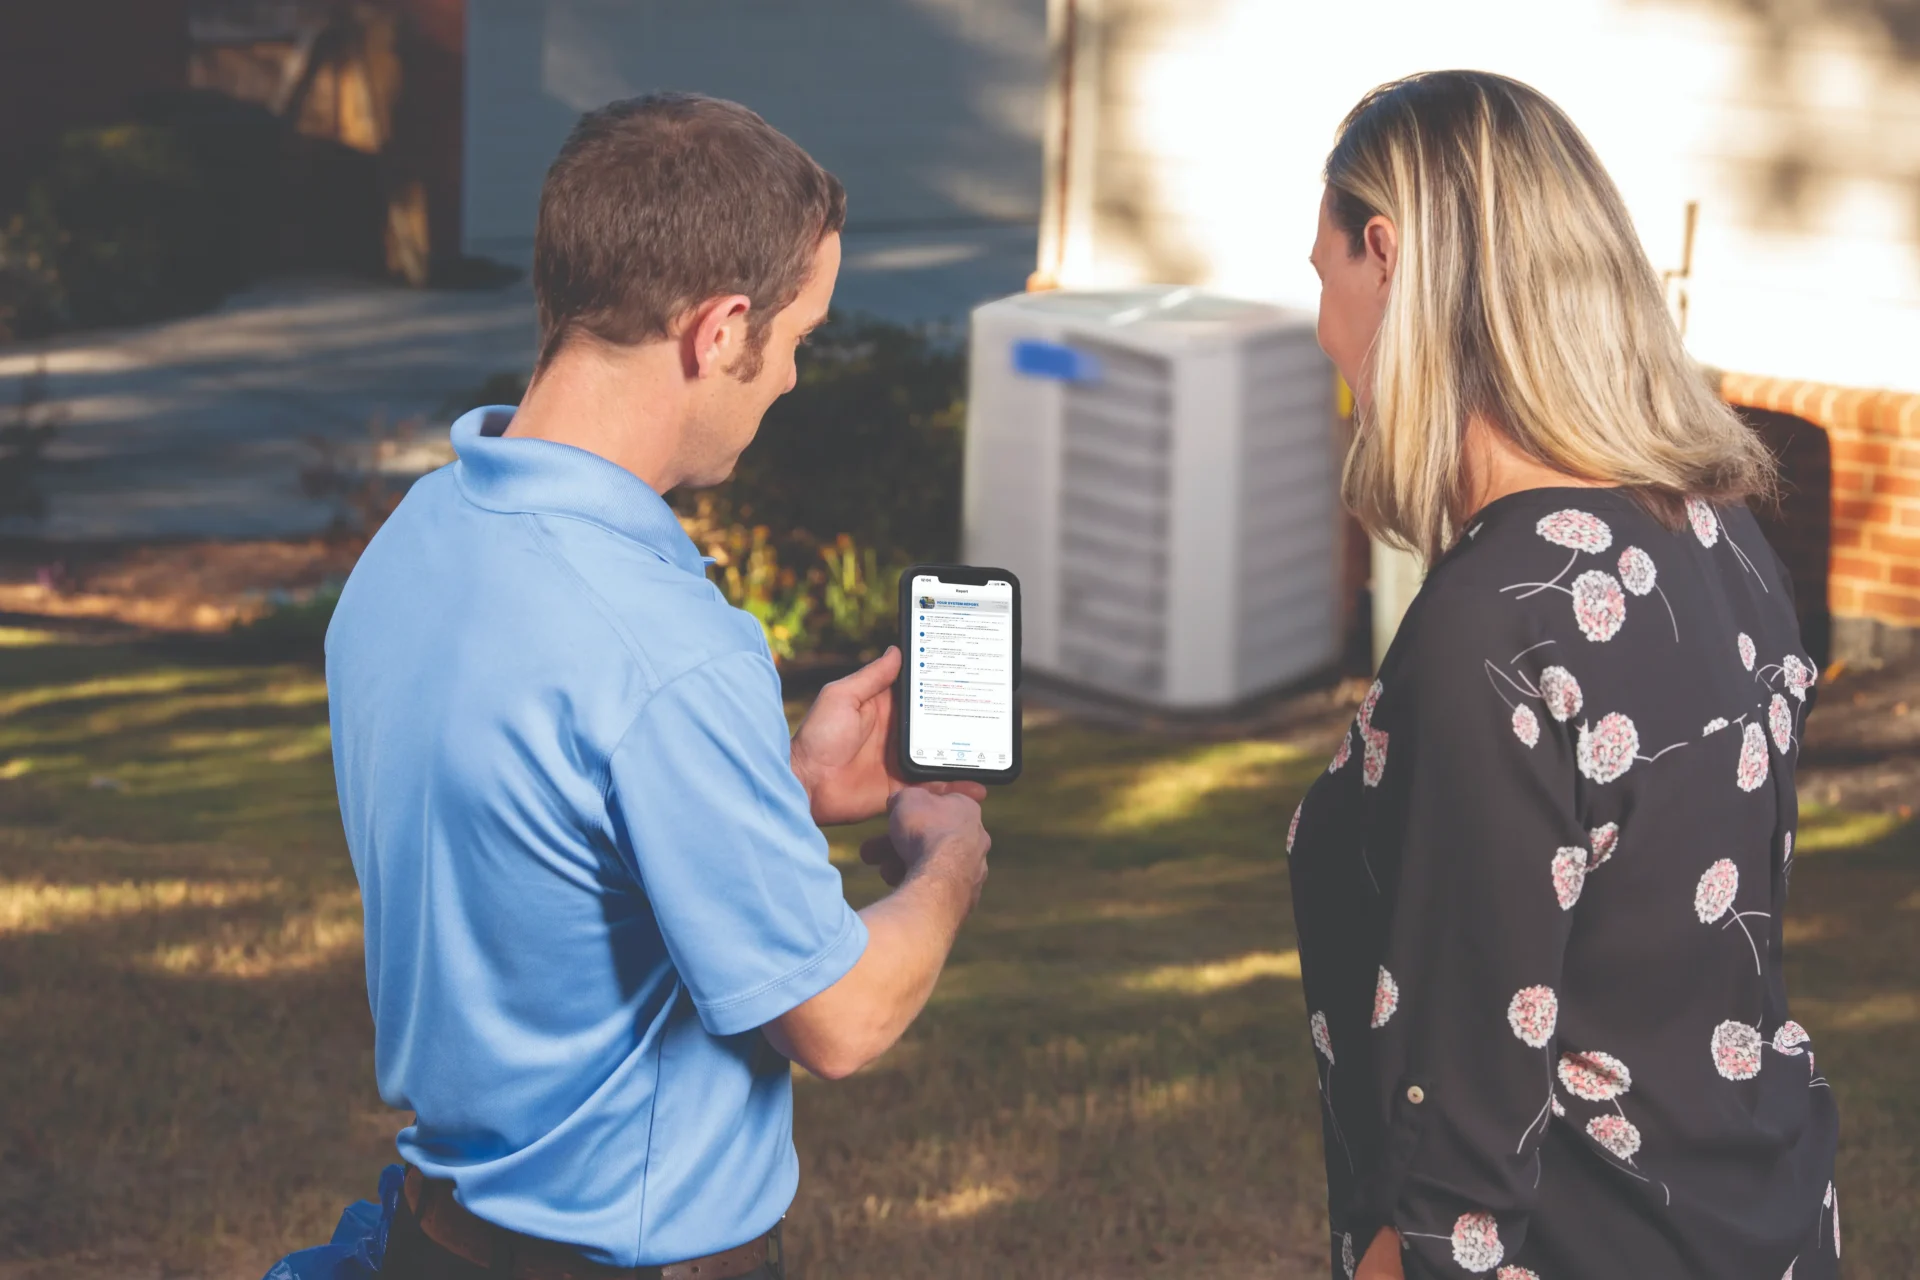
point(867, 444)
point(163, 214)
point(31, 302)
point(855, 475)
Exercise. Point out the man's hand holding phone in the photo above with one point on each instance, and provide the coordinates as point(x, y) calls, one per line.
point(843, 753)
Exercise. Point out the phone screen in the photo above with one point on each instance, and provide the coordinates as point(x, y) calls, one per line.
point(960, 673)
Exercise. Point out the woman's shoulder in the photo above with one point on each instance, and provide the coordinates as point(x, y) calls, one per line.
point(1588, 530)
point(1560, 565)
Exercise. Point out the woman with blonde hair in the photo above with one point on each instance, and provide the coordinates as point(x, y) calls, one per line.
point(1539, 889)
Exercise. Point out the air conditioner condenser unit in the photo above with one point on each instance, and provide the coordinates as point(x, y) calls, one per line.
point(1158, 467)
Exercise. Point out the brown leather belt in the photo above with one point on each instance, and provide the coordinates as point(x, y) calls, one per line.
point(514, 1256)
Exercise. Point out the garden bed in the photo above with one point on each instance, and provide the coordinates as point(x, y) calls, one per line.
point(205, 588)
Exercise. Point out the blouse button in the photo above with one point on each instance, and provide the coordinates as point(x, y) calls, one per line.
point(1416, 1095)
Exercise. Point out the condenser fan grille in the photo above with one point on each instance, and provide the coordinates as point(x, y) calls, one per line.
point(1290, 520)
point(1116, 446)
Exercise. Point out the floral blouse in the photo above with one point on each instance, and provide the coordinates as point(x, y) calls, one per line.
point(1539, 894)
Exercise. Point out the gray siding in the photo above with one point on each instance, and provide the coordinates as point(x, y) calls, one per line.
point(928, 110)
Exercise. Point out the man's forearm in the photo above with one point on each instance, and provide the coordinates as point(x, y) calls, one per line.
point(909, 935)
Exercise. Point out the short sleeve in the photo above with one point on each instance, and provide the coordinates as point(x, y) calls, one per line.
point(718, 831)
point(1492, 862)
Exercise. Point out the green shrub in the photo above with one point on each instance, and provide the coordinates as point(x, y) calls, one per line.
point(752, 578)
point(157, 216)
point(106, 218)
point(862, 599)
point(855, 475)
point(505, 387)
point(31, 302)
point(867, 444)
point(294, 623)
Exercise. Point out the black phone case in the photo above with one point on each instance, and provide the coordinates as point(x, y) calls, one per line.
point(970, 574)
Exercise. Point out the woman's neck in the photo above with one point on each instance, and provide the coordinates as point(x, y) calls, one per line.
point(1496, 467)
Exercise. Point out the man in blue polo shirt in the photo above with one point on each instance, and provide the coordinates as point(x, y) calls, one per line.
point(600, 917)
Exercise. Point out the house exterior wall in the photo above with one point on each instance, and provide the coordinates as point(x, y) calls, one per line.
point(1203, 124)
point(928, 110)
point(381, 78)
point(1185, 139)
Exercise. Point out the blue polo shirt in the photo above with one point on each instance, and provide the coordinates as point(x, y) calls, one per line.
point(589, 874)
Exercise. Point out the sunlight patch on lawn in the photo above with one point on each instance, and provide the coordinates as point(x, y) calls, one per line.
point(1000, 1161)
point(1824, 830)
point(42, 766)
point(34, 906)
point(844, 853)
point(1171, 790)
point(1139, 1100)
point(26, 638)
point(968, 1201)
point(327, 933)
point(1220, 975)
point(232, 769)
point(1077, 913)
point(278, 746)
point(1811, 929)
point(229, 740)
point(1884, 1009)
point(128, 717)
point(78, 850)
point(1082, 983)
point(146, 683)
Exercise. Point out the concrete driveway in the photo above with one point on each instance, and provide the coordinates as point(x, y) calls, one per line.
point(200, 427)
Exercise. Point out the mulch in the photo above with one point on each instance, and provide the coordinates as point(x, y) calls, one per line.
point(168, 588)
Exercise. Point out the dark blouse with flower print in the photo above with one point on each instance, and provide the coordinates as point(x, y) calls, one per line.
point(1539, 894)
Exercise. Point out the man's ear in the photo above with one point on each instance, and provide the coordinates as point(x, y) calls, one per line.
point(713, 333)
point(1383, 248)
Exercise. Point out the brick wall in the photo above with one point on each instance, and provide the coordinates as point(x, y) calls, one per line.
point(1800, 526)
point(1873, 582)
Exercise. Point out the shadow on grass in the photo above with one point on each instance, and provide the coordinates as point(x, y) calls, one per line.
point(207, 1121)
point(1853, 971)
point(165, 743)
point(188, 1067)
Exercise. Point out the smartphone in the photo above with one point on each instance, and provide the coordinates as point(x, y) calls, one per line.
point(957, 701)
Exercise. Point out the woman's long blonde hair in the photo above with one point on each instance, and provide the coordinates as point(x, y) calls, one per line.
point(1521, 295)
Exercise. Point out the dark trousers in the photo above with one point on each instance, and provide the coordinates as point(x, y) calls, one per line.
point(412, 1256)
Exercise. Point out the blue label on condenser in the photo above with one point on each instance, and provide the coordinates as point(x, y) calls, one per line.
point(1037, 359)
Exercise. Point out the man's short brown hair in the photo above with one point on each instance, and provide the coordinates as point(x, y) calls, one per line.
point(657, 204)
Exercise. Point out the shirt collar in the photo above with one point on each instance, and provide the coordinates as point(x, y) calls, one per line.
point(542, 476)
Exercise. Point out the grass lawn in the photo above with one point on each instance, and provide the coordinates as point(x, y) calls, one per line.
point(1113, 1078)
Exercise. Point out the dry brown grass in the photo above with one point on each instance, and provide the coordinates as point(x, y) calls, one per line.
point(1112, 1080)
